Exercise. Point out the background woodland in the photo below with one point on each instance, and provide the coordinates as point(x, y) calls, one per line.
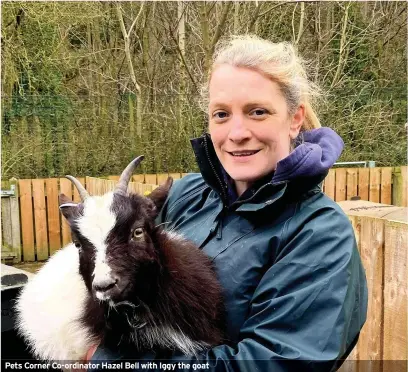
point(87, 86)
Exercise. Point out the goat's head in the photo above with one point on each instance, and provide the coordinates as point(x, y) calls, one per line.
point(115, 236)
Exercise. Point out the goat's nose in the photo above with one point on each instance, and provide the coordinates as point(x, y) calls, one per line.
point(103, 285)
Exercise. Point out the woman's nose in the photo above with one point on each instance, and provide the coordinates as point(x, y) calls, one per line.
point(238, 131)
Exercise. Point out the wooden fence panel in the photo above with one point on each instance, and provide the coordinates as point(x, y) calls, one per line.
point(66, 189)
point(352, 361)
point(151, 179)
point(386, 180)
point(53, 214)
point(340, 184)
point(6, 224)
point(374, 193)
point(363, 183)
point(138, 178)
point(372, 256)
point(400, 186)
point(352, 178)
point(329, 186)
point(15, 220)
point(27, 219)
point(40, 220)
point(162, 178)
point(395, 291)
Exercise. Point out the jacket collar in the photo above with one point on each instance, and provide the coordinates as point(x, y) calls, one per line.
point(300, 172)
point(214, 175)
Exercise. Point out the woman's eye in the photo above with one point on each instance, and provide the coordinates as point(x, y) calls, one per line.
point(220, 115)
point(258, 112)
point(138, 233)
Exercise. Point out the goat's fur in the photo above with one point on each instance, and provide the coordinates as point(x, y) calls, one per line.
point(163, 294)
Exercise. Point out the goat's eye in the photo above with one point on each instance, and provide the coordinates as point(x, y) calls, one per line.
point(138, 233)
point(77, 244)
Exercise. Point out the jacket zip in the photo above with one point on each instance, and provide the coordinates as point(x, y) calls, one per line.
point(259, 190)
point(223, 194)
point(223, 186)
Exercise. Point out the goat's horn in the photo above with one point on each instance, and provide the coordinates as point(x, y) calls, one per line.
point(82, 192)
point(121, 187)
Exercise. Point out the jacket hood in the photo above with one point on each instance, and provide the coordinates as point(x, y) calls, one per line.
point(315, 153)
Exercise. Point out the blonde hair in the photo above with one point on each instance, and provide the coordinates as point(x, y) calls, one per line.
point(278, 62)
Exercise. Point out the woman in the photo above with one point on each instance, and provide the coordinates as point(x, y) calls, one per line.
point(285, 254)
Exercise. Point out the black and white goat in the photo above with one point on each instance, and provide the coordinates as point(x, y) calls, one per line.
point(123, 281)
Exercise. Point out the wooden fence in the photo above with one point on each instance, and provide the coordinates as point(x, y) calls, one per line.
point(382, 236)
point(32, 227)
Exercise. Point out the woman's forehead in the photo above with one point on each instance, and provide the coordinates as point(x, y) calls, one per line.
point(229, 84)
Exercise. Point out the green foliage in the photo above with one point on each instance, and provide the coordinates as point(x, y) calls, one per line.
point(69, 106)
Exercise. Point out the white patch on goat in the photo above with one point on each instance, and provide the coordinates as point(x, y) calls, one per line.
point(172, 235)
point(57, 333)
point(95, 224)
point(168, 337)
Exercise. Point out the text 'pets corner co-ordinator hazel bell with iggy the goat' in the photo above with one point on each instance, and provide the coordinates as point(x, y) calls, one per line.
point(285, 254)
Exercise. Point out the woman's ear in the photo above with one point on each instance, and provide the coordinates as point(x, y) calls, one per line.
point(297, 121)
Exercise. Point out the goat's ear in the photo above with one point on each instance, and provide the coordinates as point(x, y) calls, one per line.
point(159, 195)
point(68, 208)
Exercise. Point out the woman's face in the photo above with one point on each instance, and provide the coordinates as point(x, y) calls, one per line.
point(249, 123)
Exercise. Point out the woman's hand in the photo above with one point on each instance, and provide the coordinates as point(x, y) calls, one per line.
point(90, 353)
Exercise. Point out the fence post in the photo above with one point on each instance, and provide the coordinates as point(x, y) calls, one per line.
point(15, 220)
point(397, 187)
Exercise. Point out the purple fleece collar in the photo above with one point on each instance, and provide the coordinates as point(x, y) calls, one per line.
point(319, 150)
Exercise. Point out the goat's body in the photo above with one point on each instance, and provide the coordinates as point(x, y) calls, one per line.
point(61, 320)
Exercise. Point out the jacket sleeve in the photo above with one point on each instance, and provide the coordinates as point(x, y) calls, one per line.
point(306, 312)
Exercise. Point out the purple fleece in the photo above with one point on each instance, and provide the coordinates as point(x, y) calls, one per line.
point(315, 156)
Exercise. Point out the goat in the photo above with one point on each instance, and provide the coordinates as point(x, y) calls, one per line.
point(123, 281)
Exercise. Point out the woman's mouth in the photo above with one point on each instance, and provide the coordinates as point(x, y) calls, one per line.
point(243, 153)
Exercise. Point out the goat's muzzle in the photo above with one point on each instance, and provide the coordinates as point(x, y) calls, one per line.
point(106, 287)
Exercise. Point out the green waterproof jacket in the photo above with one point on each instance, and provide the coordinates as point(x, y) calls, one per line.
point(286, 256)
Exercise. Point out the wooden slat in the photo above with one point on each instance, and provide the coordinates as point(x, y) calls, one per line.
point(53, 214)
point(375, 177)
point(386, 180)
point(363, 183)
point(351, 364)
point(340, 184)
point(404, 173)
point(400, 186)
point(151, 179)
point(162, 178)
point(113, 178)
point(138, 178)
point(77, 198)
point(40, 219)
point(15, 221)
point(351, 190)
point(27, 220)
point(395, 291)
point(66, 189)
point(7, 235)
point(330, 184)
point(372, 256)
point(90, 185)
